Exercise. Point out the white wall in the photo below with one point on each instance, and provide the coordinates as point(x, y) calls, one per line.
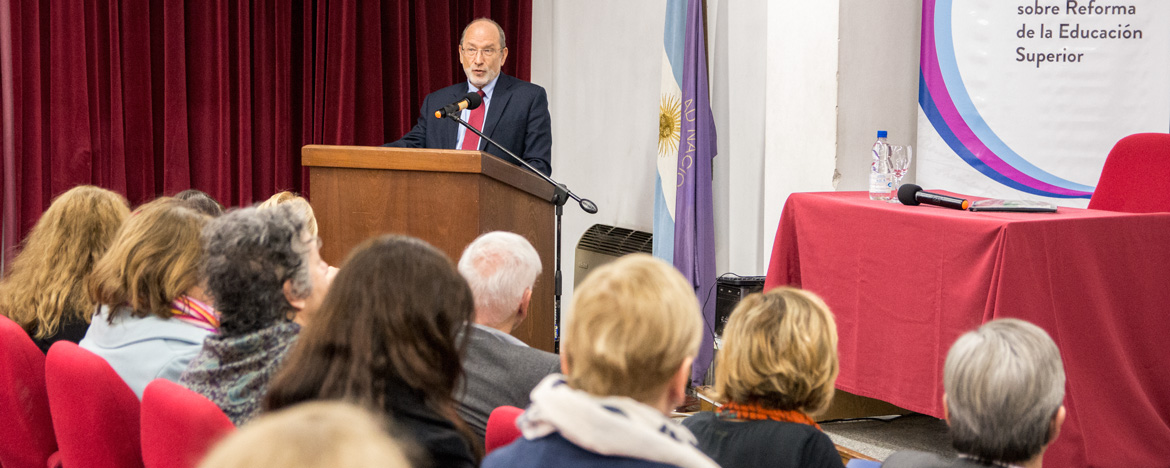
point(878, 88)
point(798, 89)
point(801, 136)
point(600, 62)
point(736, 31)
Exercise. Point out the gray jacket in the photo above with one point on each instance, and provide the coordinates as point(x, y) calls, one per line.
point(498, 370)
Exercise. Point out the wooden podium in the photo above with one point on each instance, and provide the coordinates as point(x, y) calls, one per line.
point(445, 197)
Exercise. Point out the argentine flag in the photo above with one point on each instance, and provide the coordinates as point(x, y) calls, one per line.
point(684, 221)
point(669, 126)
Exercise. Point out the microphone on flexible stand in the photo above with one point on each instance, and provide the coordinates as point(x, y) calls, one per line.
point(469, 101)
point(910, 194)
point(561, 194)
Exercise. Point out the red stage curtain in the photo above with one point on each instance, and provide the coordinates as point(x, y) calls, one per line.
point(150, 98)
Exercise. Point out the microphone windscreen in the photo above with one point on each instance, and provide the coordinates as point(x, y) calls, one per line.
point(473, 100)
point(906, 194)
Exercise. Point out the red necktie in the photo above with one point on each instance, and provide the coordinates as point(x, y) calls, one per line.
point(470, 139)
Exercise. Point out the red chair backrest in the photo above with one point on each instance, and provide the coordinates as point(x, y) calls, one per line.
point(95, 414)
point(179, 426)
point(501, 428)
point(26, 430)
point(1136, 176)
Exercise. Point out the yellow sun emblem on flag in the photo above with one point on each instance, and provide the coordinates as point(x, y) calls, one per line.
point(669, 125)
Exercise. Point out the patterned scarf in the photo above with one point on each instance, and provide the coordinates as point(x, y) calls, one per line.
point(192, 311)
point(754, 412)
point(616, 426)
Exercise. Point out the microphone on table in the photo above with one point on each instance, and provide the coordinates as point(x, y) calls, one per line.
point(910, 194)
point(470, 101)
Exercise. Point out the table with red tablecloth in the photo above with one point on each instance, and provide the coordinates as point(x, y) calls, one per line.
point(905, 281)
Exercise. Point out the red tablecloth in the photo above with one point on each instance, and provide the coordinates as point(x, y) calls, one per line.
point(905, 281)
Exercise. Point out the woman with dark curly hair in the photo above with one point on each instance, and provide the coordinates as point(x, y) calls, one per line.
point(263, 269)
point(387, 338)
point(44, 291)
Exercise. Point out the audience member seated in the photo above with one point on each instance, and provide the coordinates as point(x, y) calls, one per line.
point(776, 367)
point(297, 201)
point(1004, 388)
point(301, 205)
point(263, 269)
point(201, 202)
point(154, 313)
point(629, 342)
point(44, 291)
point(499, 370)
point(388, 337)
point(312, 435)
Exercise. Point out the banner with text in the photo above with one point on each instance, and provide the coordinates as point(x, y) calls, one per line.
point(1025, 98)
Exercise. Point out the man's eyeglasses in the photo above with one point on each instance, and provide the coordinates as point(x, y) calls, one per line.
point(470, 52)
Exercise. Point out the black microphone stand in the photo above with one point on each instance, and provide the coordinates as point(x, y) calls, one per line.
point(561, 195)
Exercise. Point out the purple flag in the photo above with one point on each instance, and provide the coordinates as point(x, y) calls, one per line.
point(694, 223)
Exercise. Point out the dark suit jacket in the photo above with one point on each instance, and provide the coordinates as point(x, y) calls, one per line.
point(498, 373)
point(517, 118)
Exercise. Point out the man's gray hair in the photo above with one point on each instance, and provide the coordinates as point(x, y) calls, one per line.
point(503, 41)
point(1004, 384)
point(499, 266)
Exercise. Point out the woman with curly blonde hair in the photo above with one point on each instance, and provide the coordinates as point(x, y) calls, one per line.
point(45, 290)
point(298, 202)
point(776, 370)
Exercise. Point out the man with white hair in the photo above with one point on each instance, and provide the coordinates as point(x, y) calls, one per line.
point(499, 369)
point(514, 112)
point(1004, 387)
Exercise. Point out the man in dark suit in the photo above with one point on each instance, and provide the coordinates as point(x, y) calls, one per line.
point(514, 112)
point(499, 369)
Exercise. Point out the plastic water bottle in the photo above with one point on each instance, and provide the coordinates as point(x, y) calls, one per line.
point(881, 177)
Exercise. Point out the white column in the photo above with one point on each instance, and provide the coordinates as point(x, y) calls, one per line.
point(737, 41)
point(800, 139)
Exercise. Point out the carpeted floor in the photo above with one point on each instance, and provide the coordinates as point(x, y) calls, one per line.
point(879, 437)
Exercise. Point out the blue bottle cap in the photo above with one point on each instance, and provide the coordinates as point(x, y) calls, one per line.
point(881, 133)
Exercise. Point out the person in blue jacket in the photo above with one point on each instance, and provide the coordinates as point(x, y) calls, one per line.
point(629, 343)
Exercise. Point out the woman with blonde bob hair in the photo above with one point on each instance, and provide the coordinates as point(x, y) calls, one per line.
point(44, 292)
point(629, 342)
point(311, 435)
point(154, 313)
point(776, 368)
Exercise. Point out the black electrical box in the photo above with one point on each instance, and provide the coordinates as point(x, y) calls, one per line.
point(728, 292)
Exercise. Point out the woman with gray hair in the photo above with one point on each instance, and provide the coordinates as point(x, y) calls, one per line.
point(263, 269)
point(1004, 388)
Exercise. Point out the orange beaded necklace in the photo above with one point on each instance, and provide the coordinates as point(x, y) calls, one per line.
point(756, 412)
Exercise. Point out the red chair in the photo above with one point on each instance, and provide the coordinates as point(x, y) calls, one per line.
point(501, 428)
point(179, 426)
point(25, 425)
point(95, 414)
point(1136, 176)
